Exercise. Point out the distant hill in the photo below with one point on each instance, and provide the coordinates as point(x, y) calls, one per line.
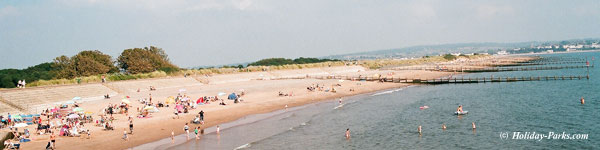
point(464, 48)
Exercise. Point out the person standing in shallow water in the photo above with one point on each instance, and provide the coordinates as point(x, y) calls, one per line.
point(348, 133)
point(582, 100)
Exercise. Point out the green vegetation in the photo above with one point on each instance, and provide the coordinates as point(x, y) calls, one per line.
point(10, 77)
point(90, 65)
point(144, 60)
point(283, 61)
point(85, 63)
point(449, 57)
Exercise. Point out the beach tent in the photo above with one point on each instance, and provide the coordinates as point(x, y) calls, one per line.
point(16, 117)
point(179, 107)
point(126, 101)
point(76, 98)
point(20, 125)
point(73, 116)
point(151, 109)
point(77, 109)
point(170, 100)
point(232, 96)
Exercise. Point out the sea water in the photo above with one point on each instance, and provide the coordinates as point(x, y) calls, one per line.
point(503, 113)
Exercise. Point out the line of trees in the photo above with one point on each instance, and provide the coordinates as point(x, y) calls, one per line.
point(90, 63)
point(284, 61)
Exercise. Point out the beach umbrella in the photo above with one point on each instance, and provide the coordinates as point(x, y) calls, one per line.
point(20, 125)
point(148, 107)
point(222, 93)
point(89, 113)
point(232, 96)
point(170, 100)
point(77, 109)
point(76, 98)
point(70, 102)
point(126, 101)
point(17, 117)
point(73, 116)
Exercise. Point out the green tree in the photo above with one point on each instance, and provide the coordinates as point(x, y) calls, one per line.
point(143, 60)
point(65, 68)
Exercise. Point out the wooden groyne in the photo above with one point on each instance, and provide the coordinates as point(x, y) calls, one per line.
point(440, 80)
point(487, 69)
point(522, 64)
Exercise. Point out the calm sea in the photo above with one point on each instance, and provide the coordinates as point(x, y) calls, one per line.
point(389, 119)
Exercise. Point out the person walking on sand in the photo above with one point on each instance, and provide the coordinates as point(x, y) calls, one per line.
point(201, 113)
point(186, 128)
point(53, 140)
point(125, 135)
point(172, 136)
point(348, 133)
point(131, 126)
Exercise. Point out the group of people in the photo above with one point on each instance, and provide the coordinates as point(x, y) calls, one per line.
point(21, 84)
point(318, 87)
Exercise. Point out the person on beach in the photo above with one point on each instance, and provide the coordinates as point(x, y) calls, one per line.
point(340, 101)
point(459, 109)
point(201, 113)
point(196, 132)
point(186, 128)
point(347, 133)
point(172, 136)
point(131, 126)
point(89, 135)
point(53, 140)
point(582, 100)
point(218, 128)
point(125, 135)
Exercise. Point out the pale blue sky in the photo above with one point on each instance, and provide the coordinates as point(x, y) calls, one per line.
point(213, 32)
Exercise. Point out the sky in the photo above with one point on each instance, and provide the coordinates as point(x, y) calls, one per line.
point(217, 32)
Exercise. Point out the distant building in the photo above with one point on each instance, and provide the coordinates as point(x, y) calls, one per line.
point(455, 54)
point(502, 53)
point(595, 45)
point(550, 51)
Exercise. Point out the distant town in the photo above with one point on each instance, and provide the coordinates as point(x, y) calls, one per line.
point(476, 49)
